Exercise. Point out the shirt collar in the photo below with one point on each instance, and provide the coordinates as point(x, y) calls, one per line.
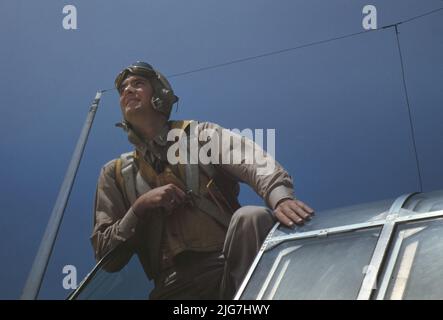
point(155, 146)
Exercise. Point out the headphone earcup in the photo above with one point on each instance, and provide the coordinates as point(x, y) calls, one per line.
point(157, 103)
point(164, 96)
point(169, 96)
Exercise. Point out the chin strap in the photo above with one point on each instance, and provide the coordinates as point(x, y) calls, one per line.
point(125, 125)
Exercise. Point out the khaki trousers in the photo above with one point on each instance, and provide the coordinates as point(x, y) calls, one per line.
point(217, 275)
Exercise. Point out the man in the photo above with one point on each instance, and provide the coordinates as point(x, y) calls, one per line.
point(183, 220)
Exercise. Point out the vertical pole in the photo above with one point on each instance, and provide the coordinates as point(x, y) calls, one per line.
point(35, 278)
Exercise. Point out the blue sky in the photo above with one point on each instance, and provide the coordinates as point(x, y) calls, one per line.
point(339, 108)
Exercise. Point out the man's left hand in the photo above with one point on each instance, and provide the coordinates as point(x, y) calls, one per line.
point(291, 211)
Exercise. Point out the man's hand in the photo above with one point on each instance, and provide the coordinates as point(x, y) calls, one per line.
point(291, 211)
point(169, 197)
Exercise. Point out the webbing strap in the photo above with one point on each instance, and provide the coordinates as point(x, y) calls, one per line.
point(192, 182)
point(141, 185)
point(191, 167)
point(127, 171)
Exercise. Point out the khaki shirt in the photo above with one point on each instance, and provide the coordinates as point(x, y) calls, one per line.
point(115, 222)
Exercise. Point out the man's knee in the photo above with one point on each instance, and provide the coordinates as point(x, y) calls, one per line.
point(253, 215)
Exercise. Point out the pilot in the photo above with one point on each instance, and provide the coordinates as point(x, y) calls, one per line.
point(182, 218)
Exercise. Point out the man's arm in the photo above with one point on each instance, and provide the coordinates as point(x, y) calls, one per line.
point(265, 175)
point(114, 223)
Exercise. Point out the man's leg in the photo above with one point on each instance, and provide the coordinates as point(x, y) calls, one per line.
point(194, 276)
point(248, 229)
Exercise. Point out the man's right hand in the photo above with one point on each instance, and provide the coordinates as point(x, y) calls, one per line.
point(169, 197)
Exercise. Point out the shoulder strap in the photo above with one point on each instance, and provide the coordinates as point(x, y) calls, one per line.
point(191, 170)
point(118, 176)
point(180, 124)
point(193, 177)
point(124, 173)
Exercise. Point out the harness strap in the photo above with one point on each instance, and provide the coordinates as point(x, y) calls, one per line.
point(127, 173)
point(136, 182)
point(191, 167)
point(192, 185)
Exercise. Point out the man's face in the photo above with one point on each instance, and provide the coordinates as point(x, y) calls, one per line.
point(135, 96)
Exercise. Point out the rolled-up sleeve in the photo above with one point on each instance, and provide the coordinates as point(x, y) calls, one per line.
point(254, 166)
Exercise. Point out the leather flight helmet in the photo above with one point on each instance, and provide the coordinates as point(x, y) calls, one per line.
point(163, 98)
